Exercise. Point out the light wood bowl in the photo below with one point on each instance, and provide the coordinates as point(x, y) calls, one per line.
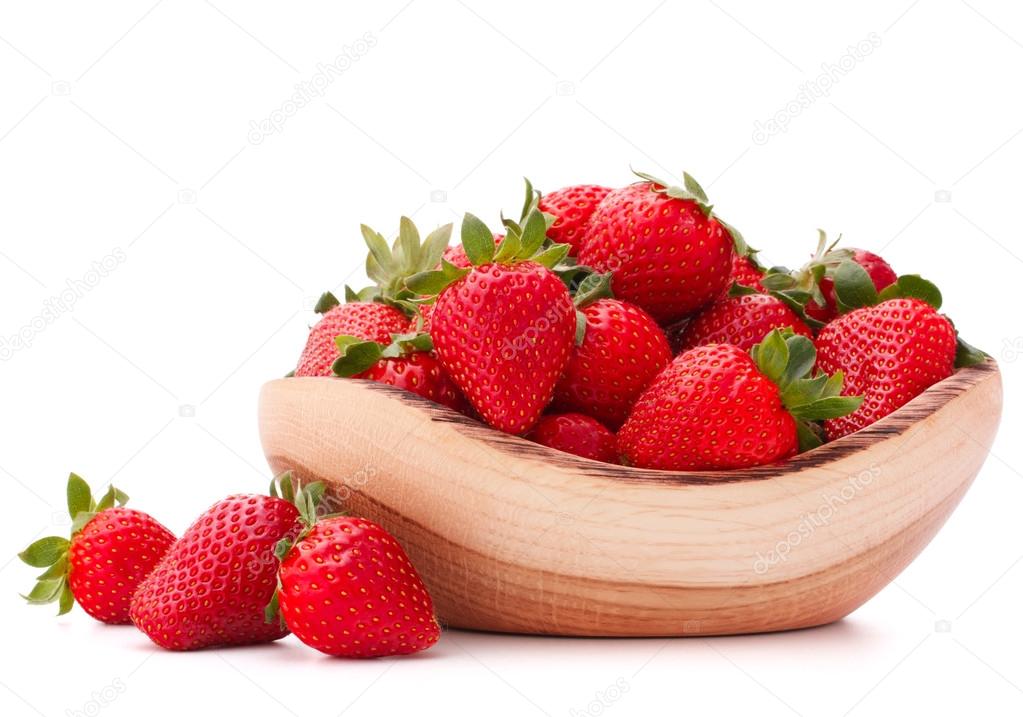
point(511, 536)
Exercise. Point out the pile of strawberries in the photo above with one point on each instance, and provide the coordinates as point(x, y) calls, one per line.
point(250, 569)
point(634, 325)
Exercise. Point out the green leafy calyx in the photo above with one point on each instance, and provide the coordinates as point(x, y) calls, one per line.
point(358, 355)
point(788, 359)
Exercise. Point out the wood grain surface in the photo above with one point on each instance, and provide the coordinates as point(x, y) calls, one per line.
point(515, 537)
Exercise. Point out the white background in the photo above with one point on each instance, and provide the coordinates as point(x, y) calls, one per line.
point(128, 128)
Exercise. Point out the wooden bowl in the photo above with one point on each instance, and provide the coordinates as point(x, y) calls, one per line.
point(511, 536)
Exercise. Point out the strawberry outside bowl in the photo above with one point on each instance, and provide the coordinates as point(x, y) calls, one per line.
point(511, 536)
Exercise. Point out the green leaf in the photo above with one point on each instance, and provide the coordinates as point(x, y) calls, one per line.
point(534, 231)
point(44, 552)
point(66, 600)
point(81, 520)
point(327, 301)
point(45, 591)
point(772, 356)
point(552, 255)
point(511, 245)
point(580, 328)
point(79, 495)
point(356, 357)
point(432, 283)
point(802, 357)
point(531, 200)
point(913, 286)
point(854, 288)
point(379, 250)
point(58, 569)
point(434, 245)
point(271, 613)
point(967, 355)
point(408, 240)
point(110, 498)
point(824, 408)
point(694, 188)
point(283, 486)
point(777, 279)
point(477, 240)
point(809, 435)
point(593, 288)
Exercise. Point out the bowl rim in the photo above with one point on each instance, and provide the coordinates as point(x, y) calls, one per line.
point(894, 424)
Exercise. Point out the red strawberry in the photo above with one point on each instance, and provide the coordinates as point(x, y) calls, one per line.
point(571, 208)
point(348, 589)
point(503, 329)
point(407, 362)
point(890, 353)
point(743, 320)
point(880, 272)
point(112, 549)
point(211, 588)
point(621, 349)
point(716, 407)
point(665, 249)
point(367, 320)
point(578, 434)
point(746, 272)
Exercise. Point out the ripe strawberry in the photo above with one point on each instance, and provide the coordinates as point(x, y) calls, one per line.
point(619, 349)
point(666, 250)
point(211, 588)
point(367, 320)
point(890, 353)
point(112, 549)
point(502, 329)
point(571, 208)
point(813, 285)
point(578, 434)
point(743, 320)
point(363, 316)
point(718, 407)
point(407, 362)
point(348, 589)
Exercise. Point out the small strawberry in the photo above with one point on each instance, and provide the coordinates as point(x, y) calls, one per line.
point(619, 349)
point(407, 362)
point(665, 249)
point(371, 314)
point(211, 588)
point(891, 345)
point(742, 319)
point(369, 321)
point(814, 284)
point(571, 207)
point(112, 549)
point(578, 434)
point(502, 329)
point(346, 588)
point(718, 407)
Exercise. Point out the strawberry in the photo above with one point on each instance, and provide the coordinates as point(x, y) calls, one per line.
point(891, 345)
point(742, 318)
point(578, 434)
point(503, 328)
point(212, 586)
point(813, 285)
point(371, 314)
point(619, 349)
point(571, 208)
point(667, 252)
point(407, 362)
point(112, 549)
point(367, 320)
point(346, 588)
point(718, 407)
